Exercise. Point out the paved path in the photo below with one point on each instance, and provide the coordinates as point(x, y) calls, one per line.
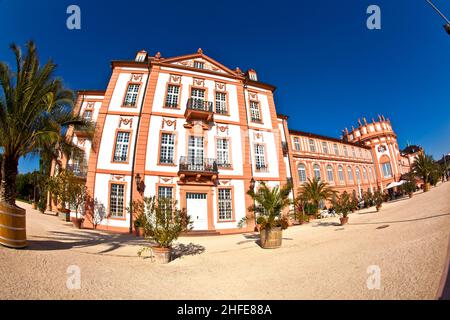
point(408, 240)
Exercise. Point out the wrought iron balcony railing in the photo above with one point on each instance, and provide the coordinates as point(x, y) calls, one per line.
point(197, 164)
point(200, 105)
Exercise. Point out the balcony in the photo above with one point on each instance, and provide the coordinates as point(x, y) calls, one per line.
point(198, 170)
point(79, 171)
point(199, 109)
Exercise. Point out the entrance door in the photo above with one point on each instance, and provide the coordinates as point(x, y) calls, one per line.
point(197, 208)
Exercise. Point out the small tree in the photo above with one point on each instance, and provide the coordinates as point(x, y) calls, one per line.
point(77, 195)
point(343, 204)
point(164, 222)
point(314, 191)
point(368, 199)
point(270, 204)
point(378, 199)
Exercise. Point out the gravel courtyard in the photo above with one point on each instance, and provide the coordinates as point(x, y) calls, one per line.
point(320, 260)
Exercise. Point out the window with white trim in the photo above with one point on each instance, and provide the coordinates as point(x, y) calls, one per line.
point(364, 173)
point(87, 115)
point(353, 152)
point(330, 176)
point(223, 152)
point(345, 151)
point(198, 98)
point(131, 95)
point(350, 174)
point(317, 171)
point(173, 93)
point(199, 65)
point(302, 173)
point(116, 200)
point(221, 103)
point(167, 151)
point(336, 149)
point(341, 174)
point(121, 149)
point(324, 147)
point(225, 204)
point(312, 145)
point(358, 175)
point(165, 192)
point(260, 157)
point(297, 143)
point(255, 114)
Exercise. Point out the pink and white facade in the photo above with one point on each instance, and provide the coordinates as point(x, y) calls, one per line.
point(193, 130)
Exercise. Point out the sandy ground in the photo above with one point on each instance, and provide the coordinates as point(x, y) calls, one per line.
point(321, 260)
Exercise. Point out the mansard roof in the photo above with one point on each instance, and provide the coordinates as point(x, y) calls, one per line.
point(318, 136)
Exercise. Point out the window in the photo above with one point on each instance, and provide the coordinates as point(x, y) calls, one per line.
point(341, 174)
point(387, 170)
point(296, 144)
point(371, 174)
point(358, 175)
point(87, 115)
point(260, 157)
point(353, 153)
point(365, 174)
point(225, 205)
point(165, 193)
point(221, 103)
point(131, 96)
point(345, 151)
point(223, 153)
point(121, 150)
point(330, 174)
point(336, 149)
point(253, 76)
point(312, 145)
point(199, 65)
point(172, 96)
point(195, 152)
point(317, 172)
point(350, 174)
point(302, 172)
point(324, 147)
point(116, 200)
point(167, 148)
point(254, 111)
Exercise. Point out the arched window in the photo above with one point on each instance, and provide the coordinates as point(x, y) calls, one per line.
point(317, 171)
point(350, 174)
point(341, 174)
point(330, 173)
point(371, 174)
point(358, 175)
point(336, 149)
point(302, 172)
point(386, 168)
point(365, 174)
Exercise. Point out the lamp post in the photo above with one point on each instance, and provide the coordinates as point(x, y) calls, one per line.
point(138, 182)
point(252, 188)
point(447, 22)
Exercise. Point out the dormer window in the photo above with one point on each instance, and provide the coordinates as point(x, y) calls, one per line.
point(199, 65)
point(253, 76)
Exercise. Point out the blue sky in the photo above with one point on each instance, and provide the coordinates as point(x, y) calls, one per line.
point(328, 67)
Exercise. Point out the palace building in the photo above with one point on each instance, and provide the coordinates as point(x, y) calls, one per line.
point(190, 129)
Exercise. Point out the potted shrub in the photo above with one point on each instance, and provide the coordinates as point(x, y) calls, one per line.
point(378, 199)
point(139, 219)
point(270, 204)
point(311, 210)
point(77, 191)
point(343, 204)
point(163, 224)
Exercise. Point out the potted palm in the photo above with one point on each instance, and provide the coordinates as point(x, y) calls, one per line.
point(163, 224)
point(343, 204)
point(314, 192)
point(270, 204)
point(378, 199)
point(423, 167)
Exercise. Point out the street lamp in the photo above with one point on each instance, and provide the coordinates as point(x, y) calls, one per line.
point(447, 22)
point(139, 183)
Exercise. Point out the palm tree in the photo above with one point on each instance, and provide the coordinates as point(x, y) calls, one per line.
point(315, 191)
point(35, 112)
point(423, 167)
point(271, 202)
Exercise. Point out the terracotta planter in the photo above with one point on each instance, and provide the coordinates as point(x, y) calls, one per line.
point(311, 217)
point(139, 231)
point(426, 187)
point(378, 208)
point(344, 220)
point(162, 255)
point(410, 195)
point(34, 205)
point(271, 238)
point(78, 223)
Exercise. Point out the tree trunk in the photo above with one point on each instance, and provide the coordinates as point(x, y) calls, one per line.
point(9, 167)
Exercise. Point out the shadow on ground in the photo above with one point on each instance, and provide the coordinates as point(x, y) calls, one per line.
point(254, 237)
point(190, 249)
